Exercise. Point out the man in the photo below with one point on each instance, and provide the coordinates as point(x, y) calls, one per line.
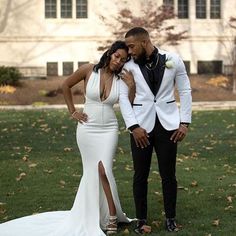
point(154, 119)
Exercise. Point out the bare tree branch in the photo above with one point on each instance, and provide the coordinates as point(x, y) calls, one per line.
point(153, 19)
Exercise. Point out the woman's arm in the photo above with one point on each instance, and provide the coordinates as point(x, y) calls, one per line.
point(72, 80)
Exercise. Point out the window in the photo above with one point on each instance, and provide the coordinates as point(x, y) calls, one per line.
point(50, 8)
point(182, 9)
point(67, 68)
point(187, 66)
point(201, 9)
point(52, 69)
point(215, 9)
point(168, 3)
point(66, 8)
point(209, 67)
point(81, 8)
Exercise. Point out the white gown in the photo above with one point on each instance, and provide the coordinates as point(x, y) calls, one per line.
point(97, 141)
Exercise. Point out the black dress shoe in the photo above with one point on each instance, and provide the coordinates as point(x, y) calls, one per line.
point(171, 225)
point(140, 224)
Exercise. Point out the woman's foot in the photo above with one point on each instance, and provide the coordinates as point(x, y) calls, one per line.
point(112, 225)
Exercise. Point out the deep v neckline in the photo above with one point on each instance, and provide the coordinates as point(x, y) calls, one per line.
point(99, 88)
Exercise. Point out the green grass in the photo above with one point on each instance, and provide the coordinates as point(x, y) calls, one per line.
point(206, 171)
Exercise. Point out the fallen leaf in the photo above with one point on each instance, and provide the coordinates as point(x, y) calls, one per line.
point(216, 222)
point(126, 231)
point(32, 165)
point(25, 158)
point(156, 223)
point(230, 199)
point(48, 171)
point(67, 149)
point(194, 183)
point(228, 208)
point(21, 175)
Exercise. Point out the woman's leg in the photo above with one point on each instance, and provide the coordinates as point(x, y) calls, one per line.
point(112, 225)
point(107, 189)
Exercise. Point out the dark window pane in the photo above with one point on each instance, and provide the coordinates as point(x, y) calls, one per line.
point(66, 8)
point(200, 9)
point(81, 8)
point(182, 9)
point(215, 9)
point(168, 3)
point(52, 69)
point(68, 68)
point(50, 8)
point(209, 67)
point(187, 66)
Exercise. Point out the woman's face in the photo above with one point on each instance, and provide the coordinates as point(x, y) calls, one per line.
point(118, 59)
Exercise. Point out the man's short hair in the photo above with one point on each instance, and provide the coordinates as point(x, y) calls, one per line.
point(137, 31)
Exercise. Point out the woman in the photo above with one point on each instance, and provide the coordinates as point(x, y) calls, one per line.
point(96, 207)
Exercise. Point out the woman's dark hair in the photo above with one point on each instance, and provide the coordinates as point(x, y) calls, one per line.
point(106, 57)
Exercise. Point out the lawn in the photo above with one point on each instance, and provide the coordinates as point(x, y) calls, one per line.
point(40, 170)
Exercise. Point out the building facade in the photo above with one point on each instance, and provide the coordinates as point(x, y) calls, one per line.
point(53, 37)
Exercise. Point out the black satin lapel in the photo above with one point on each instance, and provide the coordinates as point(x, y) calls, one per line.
point(145, 75)
point(161, 70)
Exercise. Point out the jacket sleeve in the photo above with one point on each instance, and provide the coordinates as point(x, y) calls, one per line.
point(184, 89)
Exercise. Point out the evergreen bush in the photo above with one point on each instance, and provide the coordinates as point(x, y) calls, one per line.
point(9, 75)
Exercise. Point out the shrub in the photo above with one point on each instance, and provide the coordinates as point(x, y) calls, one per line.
point(9, 75)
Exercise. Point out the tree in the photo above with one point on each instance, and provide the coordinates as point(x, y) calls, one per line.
point(153, 19)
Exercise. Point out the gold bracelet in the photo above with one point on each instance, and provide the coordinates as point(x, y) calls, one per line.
point(74, 113)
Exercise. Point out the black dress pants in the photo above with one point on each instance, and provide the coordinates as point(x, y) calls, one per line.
point(166, 150)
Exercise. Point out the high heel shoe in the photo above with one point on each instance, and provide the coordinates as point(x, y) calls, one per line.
point(112, 225)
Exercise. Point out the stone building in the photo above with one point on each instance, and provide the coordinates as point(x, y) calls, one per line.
point(53, 37)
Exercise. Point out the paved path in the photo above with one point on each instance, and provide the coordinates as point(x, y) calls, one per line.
point(196, 106)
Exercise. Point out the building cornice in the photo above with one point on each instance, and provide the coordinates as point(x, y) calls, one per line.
point(51, 38)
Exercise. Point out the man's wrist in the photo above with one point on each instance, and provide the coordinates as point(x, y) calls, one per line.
point(131, 128)
point(185, 124)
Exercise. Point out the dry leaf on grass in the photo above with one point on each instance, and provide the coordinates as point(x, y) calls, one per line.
point(216, 222)
point(126, 231)
point(21, 176)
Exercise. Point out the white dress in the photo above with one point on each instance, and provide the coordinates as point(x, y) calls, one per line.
point(97, 141)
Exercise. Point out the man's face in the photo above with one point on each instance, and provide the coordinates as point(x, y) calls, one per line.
point(136, 49)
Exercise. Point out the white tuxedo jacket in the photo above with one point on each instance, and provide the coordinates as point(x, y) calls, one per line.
point(146, 106)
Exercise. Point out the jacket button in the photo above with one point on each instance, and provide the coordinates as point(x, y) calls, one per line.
point(155, 100)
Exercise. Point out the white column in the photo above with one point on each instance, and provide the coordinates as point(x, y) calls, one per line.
point(208, 9)
point(60, 69)
point(73, 9)
point(58, 9)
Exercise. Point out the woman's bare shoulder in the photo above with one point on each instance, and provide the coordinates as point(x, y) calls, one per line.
point(86, 68)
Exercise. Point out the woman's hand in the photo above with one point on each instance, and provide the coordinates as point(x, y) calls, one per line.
point(80, 116)
point(128, 78)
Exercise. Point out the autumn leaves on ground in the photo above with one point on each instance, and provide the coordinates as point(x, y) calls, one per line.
point(41, 168)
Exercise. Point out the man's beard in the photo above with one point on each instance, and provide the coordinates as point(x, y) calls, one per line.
point(141, 59)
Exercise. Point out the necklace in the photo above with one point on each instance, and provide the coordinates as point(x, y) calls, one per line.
point(152, 65)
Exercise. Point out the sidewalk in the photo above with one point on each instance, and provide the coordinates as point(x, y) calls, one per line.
point(196, 106)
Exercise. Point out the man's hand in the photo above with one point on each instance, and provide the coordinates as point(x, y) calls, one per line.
point(179, 134)
point(140, 137)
